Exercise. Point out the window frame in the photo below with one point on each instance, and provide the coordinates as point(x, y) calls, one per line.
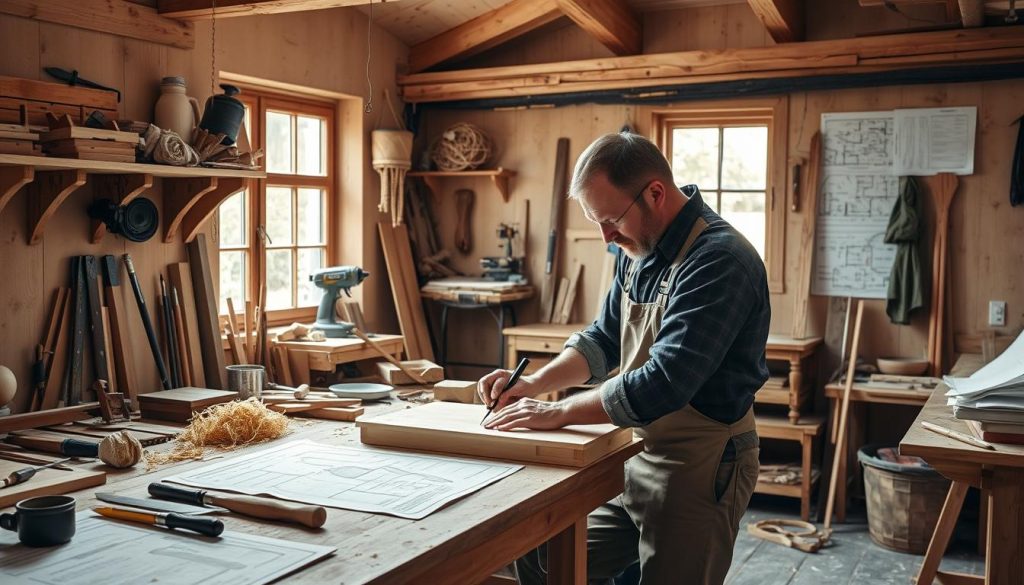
point(770, 112)
point(259, 101)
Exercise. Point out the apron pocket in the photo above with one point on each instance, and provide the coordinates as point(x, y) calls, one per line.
point(723, 477)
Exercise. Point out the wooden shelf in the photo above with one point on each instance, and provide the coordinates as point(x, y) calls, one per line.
point(499, 177)
point(191, 194)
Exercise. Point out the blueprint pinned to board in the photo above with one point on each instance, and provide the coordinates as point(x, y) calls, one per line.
point(863, 156)
point(858, 190)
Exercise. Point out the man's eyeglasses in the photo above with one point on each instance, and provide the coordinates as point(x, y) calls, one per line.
point(618, 221)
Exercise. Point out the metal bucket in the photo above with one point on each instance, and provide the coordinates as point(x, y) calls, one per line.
point(246, 379)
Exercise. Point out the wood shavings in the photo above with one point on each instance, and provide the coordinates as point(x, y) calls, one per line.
point(226, 426)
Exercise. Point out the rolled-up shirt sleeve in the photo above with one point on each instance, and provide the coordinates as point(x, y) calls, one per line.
point(711, 300)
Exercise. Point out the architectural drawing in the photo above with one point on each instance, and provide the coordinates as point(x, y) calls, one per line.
point(371, 480)
point(857, 140)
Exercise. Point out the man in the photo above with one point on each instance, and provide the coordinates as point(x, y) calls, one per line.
point(685, 323)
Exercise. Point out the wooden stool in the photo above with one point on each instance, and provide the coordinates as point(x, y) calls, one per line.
point(808, 429)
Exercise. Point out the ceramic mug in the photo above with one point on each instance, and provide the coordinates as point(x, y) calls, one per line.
point(42, 521)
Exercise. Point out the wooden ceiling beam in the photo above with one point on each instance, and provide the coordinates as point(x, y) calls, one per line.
point(483, 32)
point(784, 19)
point(204, 9)
point(612, 22)
point(117, 18)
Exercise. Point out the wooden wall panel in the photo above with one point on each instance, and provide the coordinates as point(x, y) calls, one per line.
point(323, 50)
point(983, 256)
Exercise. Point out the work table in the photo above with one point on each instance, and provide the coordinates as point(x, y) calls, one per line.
point(464, 542)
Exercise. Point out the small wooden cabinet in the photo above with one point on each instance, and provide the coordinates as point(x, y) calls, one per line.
point(544, 340)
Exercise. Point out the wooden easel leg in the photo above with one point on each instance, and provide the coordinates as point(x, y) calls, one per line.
point(943, 530)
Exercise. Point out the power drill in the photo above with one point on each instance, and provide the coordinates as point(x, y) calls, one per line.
point(334, 280)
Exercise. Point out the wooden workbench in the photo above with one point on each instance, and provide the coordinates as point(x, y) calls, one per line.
point(465, 542)
point(1000, 475)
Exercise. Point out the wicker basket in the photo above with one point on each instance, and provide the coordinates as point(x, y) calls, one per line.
point(903, 501)
point(391, 148)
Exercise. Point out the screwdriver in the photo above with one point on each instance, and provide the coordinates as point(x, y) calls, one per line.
point(24, 474)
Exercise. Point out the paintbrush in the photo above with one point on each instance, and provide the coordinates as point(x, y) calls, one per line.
point(205, 526)
point(511, 382)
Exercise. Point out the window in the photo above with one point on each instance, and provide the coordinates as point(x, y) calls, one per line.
point(276, 232)
point(733, 155)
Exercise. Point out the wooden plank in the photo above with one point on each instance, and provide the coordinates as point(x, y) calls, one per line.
point(343, 413)
point(47, 482)
point(108, 343)
point(404, 290)
point(56, 93)
point(355, 314)
point(448, 427)
point(121, 349)
point(207, 313)
point(805, 262)
point(124, 19)
point(558, 192)
point(50, 416)
point(184, 362)
point(58, 364)
point(92, 290)
point(181, 279)
point(556, 309)
point(784, 19)
point(76, 373)
point(190, 10)
point(483, 32)
point(611, 22)
point(570, 295)
point(106, 167)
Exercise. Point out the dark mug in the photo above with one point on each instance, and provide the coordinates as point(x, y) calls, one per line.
point(42, 521)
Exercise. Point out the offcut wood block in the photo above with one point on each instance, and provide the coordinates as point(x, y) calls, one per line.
point(179, 404)
point(427, 369)
point(462, 391)
point(446, 427)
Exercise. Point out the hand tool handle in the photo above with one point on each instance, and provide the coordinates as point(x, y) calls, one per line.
point(78, 448)
point(154, 345)
point(207, 526)
point(305, 514)
point(19, 476)
point(164, 491)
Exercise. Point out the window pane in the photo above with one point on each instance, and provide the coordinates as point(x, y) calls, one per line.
point(310, 147)
point(232, 279)
point(745, 158)
point(311, 216)
point(746, 213)
point(279, 215)
point(310, 259)
point(232, 220)
point(695, 157)
point(279, 279)
point(279, 143)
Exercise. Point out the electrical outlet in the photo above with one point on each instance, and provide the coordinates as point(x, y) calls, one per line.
point(996, 313)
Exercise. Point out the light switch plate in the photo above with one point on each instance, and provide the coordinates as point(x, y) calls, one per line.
point(996, 313)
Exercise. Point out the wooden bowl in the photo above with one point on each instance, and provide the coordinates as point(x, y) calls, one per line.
point(903, 366)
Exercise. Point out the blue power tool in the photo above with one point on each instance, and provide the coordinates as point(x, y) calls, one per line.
point(334, 280)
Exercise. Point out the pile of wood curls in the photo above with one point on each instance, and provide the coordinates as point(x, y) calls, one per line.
point(225, 426)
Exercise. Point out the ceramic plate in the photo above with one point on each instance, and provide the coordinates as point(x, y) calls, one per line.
point(364, 390)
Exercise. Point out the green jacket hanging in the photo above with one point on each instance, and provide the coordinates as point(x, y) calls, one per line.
point(906, 285)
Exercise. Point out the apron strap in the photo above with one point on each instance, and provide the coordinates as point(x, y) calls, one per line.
point(698, 228)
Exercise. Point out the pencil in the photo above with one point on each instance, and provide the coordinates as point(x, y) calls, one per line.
point(957, 435)
point(520, 367)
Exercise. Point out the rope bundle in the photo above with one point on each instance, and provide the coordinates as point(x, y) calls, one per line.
point(461, 147)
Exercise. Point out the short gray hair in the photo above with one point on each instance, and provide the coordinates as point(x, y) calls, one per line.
point(627, 159)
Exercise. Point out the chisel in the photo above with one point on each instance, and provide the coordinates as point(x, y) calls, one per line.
point(68, 447)
point(24, 474)
point(307, 515)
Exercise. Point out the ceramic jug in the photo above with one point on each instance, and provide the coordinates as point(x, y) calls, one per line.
point(223, 114)
point(175, 110)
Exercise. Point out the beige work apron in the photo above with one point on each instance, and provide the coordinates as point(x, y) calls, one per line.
point(687, 533)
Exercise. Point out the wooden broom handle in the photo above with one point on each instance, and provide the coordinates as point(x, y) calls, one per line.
point(305, 514)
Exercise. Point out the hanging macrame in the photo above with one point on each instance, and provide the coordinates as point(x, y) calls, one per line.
point(392, 159)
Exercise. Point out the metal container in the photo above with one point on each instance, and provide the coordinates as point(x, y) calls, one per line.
point(247, 380)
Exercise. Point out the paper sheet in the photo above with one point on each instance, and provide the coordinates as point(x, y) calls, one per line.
point(367, 480)
point(114, 552)
point(935, 140)
point(1006, 371)
point(857, 192)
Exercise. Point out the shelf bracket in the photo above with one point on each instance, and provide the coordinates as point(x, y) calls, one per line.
point(501, 182)
point(123, 188)
point(180, 195)
point(52, 188)
point(207, 206)
point(12, 179)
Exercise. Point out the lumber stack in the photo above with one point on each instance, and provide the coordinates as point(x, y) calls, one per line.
point(90, 144)
point(18, 139)
point(20, 97)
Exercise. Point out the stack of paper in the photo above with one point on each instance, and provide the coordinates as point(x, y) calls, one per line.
point(992, 399)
